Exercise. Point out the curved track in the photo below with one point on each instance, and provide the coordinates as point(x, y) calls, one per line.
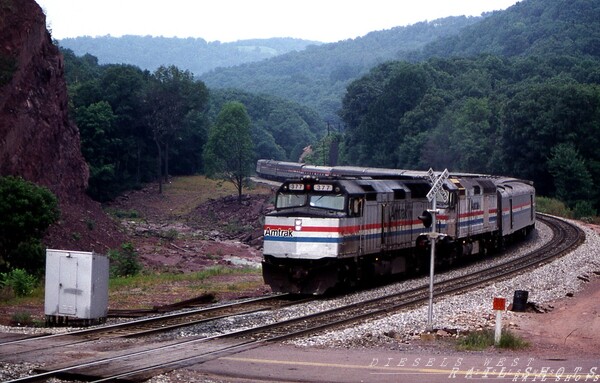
point(154, 360)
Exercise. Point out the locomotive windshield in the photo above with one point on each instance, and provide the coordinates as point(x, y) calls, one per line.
point(320, 201)
point(313, 195)
point(329, 202)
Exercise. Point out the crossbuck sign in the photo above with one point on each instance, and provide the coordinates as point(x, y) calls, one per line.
point(438, 183)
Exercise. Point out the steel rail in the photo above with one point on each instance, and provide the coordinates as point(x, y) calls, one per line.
point(156, 321)
point(566, 237)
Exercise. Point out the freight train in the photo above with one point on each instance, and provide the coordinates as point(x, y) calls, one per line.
point(345, 226)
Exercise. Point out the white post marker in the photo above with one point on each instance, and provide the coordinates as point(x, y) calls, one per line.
point(433, 237)
point(499, 306)
point(436, 189)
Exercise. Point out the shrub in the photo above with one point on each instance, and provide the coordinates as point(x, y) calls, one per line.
point(584, 210)
point(21, 282)
point(21, 319)
point(512, 341)
point(125, 262)
point(553, 206)
point(26, 211)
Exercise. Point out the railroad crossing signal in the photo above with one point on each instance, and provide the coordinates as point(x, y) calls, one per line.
point(437, 187)
point(426, 218)
point(436, 192)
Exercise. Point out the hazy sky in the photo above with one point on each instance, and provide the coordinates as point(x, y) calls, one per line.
point(231, 20)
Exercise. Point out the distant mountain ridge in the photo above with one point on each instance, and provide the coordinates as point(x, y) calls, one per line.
point(308, 72)
point(193, 54)
point(318, 76)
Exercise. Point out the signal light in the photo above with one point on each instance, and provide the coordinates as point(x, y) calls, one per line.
point(426, 218)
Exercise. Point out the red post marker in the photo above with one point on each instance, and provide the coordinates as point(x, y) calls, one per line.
point(499, 306)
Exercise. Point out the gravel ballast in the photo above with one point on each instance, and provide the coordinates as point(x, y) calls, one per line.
point(459, 313)
point(472, 310)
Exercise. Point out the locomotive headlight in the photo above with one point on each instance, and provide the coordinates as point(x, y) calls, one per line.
point(298, 224)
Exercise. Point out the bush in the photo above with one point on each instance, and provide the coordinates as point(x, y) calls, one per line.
point(125, 262)
point(21, 282)
point(584, 210)
point(512, 341)
point(552, 206)
point(20, 319)
point(26, 211)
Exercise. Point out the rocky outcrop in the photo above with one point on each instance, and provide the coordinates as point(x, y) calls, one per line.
point(37, 140)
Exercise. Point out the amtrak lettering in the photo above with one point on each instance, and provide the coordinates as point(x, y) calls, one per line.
point(278, 232)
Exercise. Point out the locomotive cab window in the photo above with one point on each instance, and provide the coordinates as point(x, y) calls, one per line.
point(330, 202)
point(286, 200)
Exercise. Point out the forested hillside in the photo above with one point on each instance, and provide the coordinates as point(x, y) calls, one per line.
point(318, 76)
point(530, 27)
point(193, 54)
point(530, 111)
point(487, 114)
point(515, 93)
point(130, 119)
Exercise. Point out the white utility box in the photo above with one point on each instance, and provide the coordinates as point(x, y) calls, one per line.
point(76, 287)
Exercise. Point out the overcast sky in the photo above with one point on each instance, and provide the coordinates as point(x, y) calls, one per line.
point(231, 20)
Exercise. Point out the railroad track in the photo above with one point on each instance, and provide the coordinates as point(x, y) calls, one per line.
point(148, 325)
point(149, 362)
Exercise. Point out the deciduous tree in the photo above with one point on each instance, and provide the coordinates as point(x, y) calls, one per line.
point(172, 94)
point(229, 153)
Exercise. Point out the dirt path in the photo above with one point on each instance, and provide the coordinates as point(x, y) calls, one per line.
point(571, 329)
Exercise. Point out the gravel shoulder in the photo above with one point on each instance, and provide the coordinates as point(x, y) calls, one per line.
point(566, 290)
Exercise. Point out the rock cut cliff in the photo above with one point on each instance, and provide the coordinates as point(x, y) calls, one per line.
point(38, 141)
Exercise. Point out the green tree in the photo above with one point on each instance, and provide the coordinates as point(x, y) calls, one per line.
point(172, 94)
point(123, 88)
point(229, 152)
point(108, 109)
point(539, 117)
point(124, 262)
point(98, 146)
point(572, 180)
point(26, 211)
point(280, 129)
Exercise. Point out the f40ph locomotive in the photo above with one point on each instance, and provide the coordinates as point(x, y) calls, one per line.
point(344, 225)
